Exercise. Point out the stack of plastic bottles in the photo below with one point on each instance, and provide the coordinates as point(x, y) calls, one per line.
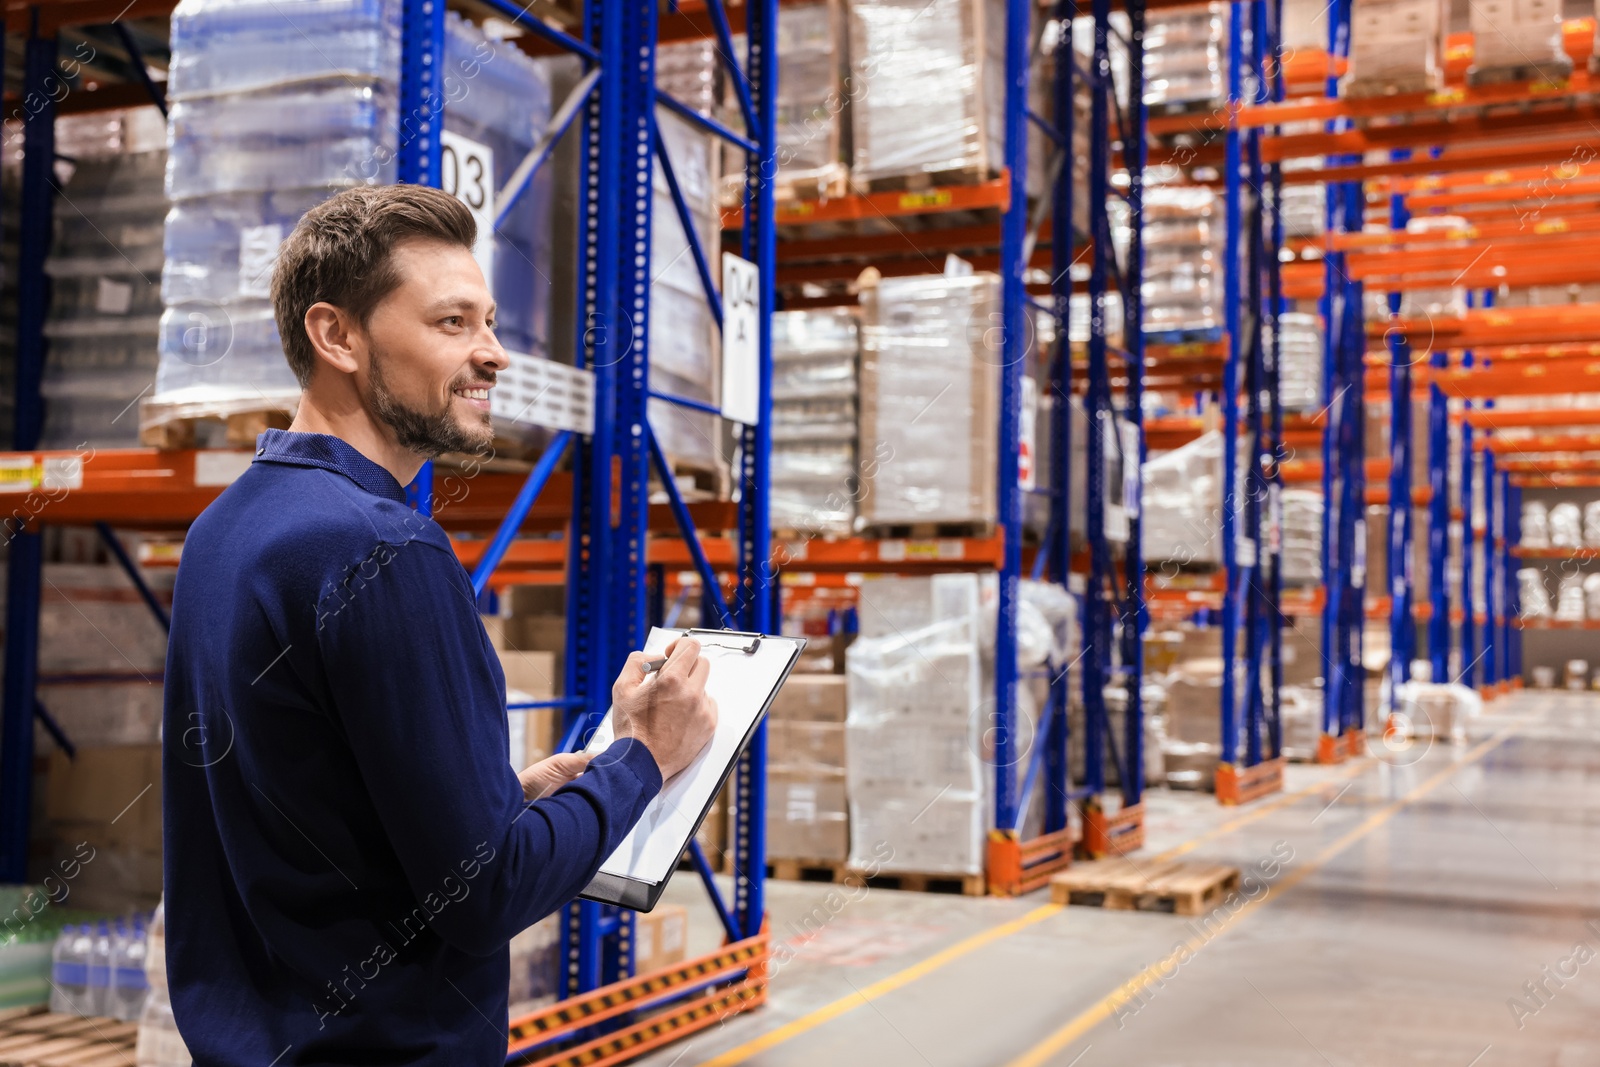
point(98, 969)
point(262, 127)
point(160, 1044)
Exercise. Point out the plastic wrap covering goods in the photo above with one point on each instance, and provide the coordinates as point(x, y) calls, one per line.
point(1302, 536)
point(1566, 530)
point(929, 412)
point(1183, 249)
point(810, 115)
point(684, 341)
point(263, 128)
point(1182, 495)
point(913, 729)
point(1535, 525)
point(1591, 596)
point(1186, 56)
point(814, 423)
point(1510, 37)
point(1394, 47)
point(105, 270)
point(1569, 599)
point(1532, 594)
point(929, 87)
point(1300, 360)
point(1591, 524)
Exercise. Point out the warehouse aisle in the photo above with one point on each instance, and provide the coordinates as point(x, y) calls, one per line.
point(1412, 900)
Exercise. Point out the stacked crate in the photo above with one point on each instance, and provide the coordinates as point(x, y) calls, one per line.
point(1517, 40)
point(1394, 47)
point(1186, 58)
point(814, 427)
point(807, 816)
point(1184, 241)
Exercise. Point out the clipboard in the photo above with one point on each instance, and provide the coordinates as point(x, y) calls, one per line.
point(747, 670)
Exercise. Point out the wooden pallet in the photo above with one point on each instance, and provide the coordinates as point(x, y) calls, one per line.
point(924, 181)
point(48, 1039)
point(968, 885)
point(1360, 90)
point(1553, 72)
point(807, 870)
point(932, 531)
point(698, 481)
point(1174, 886)
point(824, 183)
point(161, 427)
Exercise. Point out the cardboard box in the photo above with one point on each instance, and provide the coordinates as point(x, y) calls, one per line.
point(110, 797)
point(807, 814)
point(805, 744)
point(660, 937)
point(811, 698)
point(520, 600)
point(531, 673)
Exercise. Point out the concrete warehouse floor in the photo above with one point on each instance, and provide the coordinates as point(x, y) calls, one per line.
point(1421, 894)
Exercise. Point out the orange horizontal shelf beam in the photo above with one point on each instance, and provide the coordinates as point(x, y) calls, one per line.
point(994, 193)
point(1498, 178)
point(1566, 442)
point(1556, 624)
point(1524, 552)
point(1556, 480)
point(891, 555)
point(1509, 232)
point(1498, 419)
point(1546, 465)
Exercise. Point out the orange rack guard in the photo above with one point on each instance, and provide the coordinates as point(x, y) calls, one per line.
point(1116, 834)
point(1240, 785)
point(1015, 867)
point(1331, 749)
point(703, 1007)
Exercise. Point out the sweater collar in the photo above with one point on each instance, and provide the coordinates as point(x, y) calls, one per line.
point(330, 453)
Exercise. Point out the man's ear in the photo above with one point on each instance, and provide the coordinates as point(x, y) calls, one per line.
point(336, 339)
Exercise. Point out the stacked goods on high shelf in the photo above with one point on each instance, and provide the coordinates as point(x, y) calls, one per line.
point(263, 128)
point(105, 270)
point(807, 813)
point(685, 343)
point(1186, 58)
point(1394, 47)
point(691, 73)
point(1300, 361)
point(928, 90)
point(1183, 268)
point(1305, 204)
point(1182, 501)
point(1302, 536)
point(812, 104)
point(929, 405)
point(917, 782)
point(1517, 40)
point(814, 425)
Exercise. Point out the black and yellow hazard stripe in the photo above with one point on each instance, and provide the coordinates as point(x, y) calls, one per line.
point(643, 1036)
point(576, 1011)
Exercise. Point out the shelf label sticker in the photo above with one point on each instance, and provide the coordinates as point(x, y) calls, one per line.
point(466, 172)
point(741, 340)
point(62, 472)
point(258, 251)
point(18, 473)
point(1027, 465)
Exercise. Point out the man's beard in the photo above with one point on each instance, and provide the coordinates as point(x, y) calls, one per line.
point(427, 433)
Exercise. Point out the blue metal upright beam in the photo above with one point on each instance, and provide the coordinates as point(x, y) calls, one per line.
point(1402, 624)
point(1469, 541)
point(1013, 356)
point(1135, 616)
point(1233, 195)
point(24, 564)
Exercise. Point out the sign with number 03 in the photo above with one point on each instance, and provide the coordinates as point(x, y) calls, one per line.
point(466, 172)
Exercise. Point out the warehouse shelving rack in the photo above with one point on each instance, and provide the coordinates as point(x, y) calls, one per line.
point(1447, 158)
point(602, 503)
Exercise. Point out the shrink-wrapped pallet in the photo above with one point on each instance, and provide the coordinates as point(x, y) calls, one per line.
point(814, 421)
point(1186, 57)
point(915, 695)
point(930, 362)
point(1300, 362)
point(1183, 262)
point(1182, 500)
point(1394, 47)
point(928, 87)
point(1516, 40)
point(1302, 536)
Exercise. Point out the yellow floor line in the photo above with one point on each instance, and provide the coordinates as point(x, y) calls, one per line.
point(880, 988)
point(828, 1012)
point(1125, 993)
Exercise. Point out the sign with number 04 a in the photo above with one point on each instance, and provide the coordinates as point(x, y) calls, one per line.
point(466, 172)
point(741, 340)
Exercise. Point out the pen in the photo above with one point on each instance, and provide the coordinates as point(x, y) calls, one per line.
point(651, 666)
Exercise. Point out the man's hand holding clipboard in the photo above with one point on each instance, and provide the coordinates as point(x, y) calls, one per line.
point(667, 708)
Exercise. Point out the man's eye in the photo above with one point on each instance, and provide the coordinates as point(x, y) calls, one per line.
point(453, 320)
point(492, 324)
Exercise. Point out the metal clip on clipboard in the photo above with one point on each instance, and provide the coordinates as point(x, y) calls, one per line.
point(755, 644)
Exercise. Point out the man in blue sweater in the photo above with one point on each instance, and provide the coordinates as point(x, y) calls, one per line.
point(348, 848)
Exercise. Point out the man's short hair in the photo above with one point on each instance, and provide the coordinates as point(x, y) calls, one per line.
point(342, 252)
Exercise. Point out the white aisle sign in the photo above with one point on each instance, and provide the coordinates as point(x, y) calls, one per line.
point(741, 340)
point(466, 172)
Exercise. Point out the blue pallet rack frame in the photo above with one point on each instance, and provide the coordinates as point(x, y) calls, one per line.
point(19, 705)
point(608, 579)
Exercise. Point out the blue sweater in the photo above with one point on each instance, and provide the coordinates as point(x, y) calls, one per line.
point(347, 848)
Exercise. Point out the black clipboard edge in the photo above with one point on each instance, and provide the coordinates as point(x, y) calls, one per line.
point(640, 896)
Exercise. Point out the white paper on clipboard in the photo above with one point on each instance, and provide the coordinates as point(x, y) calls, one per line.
point(742, 684)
